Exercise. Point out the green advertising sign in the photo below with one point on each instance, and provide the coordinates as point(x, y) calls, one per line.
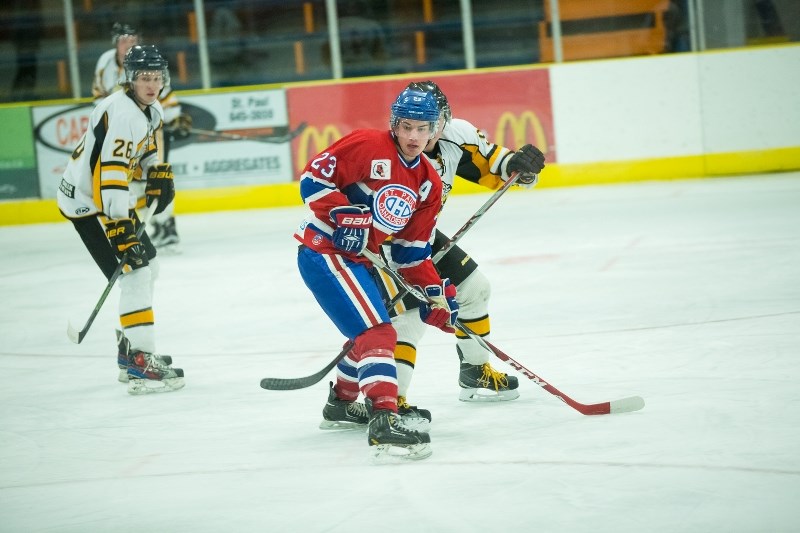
point(18, 176)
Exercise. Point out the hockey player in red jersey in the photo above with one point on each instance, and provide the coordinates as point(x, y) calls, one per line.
point(94, 195)
point(460, 149)
point(366, 187)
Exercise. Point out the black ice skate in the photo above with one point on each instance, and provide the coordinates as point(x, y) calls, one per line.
point(164, 236)
point(123, 347)
point(390, 440)
point(412, 416)
point(482, 383)
point(341, 414)
point(147, 374)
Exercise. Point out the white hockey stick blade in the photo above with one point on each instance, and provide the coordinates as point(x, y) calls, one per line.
point(626, 405)
point(73, 334)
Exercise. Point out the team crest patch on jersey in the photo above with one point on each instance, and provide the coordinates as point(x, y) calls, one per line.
point(393, 206)
point(381, 169)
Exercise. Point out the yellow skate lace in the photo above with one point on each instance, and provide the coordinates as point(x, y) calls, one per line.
point(491, 375)
point(402, 403)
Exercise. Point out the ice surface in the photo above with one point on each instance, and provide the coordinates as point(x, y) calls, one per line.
point(684, 292)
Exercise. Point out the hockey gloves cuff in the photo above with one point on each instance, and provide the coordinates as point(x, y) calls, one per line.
point(442, 309)
point(529, 161)
point(352, 227)
point(121, 234)
point(161, 185)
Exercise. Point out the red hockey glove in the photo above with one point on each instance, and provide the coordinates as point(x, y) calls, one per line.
point(442, 310)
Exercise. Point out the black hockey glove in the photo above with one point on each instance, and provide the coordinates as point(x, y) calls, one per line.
point(122, 235)
point(527, 160)
point(352, 227)
point(181, 127)
point(161, 185)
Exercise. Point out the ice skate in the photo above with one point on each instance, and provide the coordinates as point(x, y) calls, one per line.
point(391, 442)
point(341, 414)
point(482, 383)
point(165, 237)
point(123, 347)
point(412, 417)
point(147, 374)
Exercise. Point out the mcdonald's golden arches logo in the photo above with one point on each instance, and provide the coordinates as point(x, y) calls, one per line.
point(313, 141)
point(518, 127)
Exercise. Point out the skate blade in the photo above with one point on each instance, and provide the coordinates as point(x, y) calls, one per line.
point(140, 387)
point(382, 454)
point(415, 423)
point(339, 425)
point(488, 395)
point(123, 375)
point(170, 249)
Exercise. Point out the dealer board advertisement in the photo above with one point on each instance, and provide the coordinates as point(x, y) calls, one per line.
point(513, 107)
point(237, 138)
point(57, 129)
point(17, 163)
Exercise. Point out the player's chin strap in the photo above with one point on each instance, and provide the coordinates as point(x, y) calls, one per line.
point(631, 403)
point(77, 336)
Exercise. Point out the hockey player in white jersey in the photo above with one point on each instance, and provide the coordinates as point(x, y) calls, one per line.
point(461, 149)
point(109, 74)
point(95, 195)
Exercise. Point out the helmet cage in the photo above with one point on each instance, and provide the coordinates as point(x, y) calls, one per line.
point(413, 104)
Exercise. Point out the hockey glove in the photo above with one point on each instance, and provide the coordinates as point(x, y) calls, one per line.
point(122, 235)
point(442, 310)
point(352, 227)
point(161, 185)
point(527, 160)
point(181, 127)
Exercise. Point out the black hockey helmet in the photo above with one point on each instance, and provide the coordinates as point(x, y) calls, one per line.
point(441, 100)
point(119, 29)
point(145, 58)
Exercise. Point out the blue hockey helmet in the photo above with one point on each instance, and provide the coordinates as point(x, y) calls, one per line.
point(441, 99)
point(414, 104)
point(145, 58)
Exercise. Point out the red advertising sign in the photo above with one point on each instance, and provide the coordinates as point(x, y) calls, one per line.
point(513, 107)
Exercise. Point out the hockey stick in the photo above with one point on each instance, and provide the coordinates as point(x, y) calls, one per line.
point(270, 139)
point(77, 336)
point(300, 383)
point(474, 218)
point(463, 230)
point(307, 381)
point(624, 405)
